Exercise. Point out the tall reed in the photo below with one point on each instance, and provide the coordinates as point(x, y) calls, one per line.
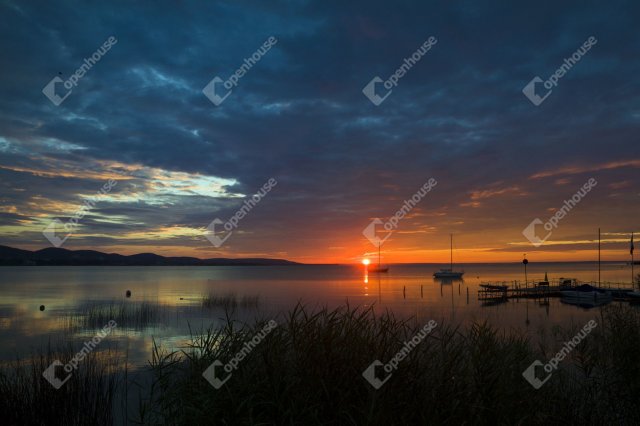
point(309, 371)
point(26, 398)
point(134, 315)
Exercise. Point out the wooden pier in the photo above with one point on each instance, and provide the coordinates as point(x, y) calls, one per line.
point(496, 291)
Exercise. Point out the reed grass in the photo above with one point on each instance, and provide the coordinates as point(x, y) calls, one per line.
point(127, 314)
point(309, 371)
point(26, 398)
point(229, 301)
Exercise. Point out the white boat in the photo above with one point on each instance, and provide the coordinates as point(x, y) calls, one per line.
point(586, 292)
point(449, 272)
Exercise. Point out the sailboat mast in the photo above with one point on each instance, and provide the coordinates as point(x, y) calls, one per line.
point(379, 256)
point(598, 257)
point(632, 285)
point(451, 235)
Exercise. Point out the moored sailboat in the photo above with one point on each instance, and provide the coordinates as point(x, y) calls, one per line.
point(449, 272)
point(379, 268)
point(586, 292)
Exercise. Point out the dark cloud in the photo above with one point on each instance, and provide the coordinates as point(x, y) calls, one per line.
point(299, 115)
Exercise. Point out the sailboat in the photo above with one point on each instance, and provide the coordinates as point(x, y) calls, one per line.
point(587, 295)
point(379, 268)
point(449, 272)
point(586, 292)
point(634, 295)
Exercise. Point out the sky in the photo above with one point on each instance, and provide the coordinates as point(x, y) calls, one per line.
point(143, 160)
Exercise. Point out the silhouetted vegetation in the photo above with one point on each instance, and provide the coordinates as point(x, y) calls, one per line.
point(127, 314)
point(229, 301)
point(86, 398)
point(308, 370)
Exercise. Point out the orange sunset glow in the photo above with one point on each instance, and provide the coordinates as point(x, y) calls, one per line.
point(319, 212)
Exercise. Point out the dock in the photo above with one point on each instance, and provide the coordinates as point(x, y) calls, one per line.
point(502, 290)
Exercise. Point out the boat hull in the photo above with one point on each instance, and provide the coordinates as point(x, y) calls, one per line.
point(585, 295)
point(586, 292)
point(443, 274)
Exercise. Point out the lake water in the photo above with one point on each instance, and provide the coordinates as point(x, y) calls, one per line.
point(175, 296)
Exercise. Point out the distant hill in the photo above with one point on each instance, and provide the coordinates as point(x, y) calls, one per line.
point(10, 256)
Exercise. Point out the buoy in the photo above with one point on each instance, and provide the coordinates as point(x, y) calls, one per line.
point(42, 307)
point(128, 293)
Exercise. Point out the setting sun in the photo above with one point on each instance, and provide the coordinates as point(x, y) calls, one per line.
point(365, 261)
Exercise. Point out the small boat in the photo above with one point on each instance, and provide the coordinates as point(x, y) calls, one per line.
point(449, 272)
point(447, 280)
point(586, 292)
point(379, 268)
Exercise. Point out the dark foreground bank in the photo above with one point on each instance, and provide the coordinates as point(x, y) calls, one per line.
point(308, 369)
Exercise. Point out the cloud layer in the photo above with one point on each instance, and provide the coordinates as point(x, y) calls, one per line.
point(139, 117)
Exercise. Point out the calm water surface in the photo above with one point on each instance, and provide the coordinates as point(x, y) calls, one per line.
point(175, 296)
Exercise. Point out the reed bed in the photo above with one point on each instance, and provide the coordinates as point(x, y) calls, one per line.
point(229, 301)
point(133, 315)
point(26, 398)
point(309, 371)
